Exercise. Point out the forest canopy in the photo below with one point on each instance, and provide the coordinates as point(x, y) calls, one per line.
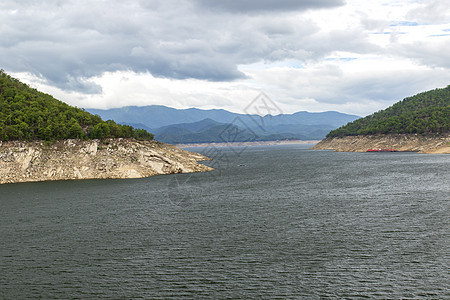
point(27, 114)
point(424, 113)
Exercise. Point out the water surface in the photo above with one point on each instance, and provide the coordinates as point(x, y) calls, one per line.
point(270, 221)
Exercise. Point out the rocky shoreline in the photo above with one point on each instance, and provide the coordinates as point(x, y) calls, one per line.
point(435, 144)
point(93, 159)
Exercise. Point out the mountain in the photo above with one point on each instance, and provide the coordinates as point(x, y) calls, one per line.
point(196, 125)
point(191, 127)
point(155, 116)
point(205, 131)
point(424, 113)
point(210, 131)
point(27, 114)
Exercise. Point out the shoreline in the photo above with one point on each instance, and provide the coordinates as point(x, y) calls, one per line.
point(436, 144)
point(23, 161)
point(241, 144)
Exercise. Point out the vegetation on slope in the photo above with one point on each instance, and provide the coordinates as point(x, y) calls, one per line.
point(424, 113)
point(27, 114)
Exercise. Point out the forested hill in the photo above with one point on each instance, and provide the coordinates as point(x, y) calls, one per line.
point(424, 113)
point(27, 114)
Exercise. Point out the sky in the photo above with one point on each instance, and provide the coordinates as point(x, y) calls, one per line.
point(351, 56)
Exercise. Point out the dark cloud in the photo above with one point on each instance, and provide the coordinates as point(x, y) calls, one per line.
point(252, 6)
point(67, 42)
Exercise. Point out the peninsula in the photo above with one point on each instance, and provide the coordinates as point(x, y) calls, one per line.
point(42, 139)
point(420, 123)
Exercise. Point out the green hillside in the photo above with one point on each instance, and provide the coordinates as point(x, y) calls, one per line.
point(27, 114)
point(424, 113)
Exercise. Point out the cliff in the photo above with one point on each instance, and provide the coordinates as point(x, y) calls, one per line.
point(93, 159)
point(401, 142)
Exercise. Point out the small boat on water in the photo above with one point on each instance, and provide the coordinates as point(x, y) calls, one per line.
point(382, 150)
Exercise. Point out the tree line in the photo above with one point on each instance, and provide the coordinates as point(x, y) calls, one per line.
point(27, 114)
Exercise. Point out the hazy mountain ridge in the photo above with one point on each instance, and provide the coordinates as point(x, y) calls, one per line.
point(200, 126)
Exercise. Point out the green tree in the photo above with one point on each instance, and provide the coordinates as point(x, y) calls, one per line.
point(26, 113)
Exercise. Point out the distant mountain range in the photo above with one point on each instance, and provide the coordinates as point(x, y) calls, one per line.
point(194, 125)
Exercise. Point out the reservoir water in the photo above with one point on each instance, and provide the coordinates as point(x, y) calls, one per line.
point(269, 222)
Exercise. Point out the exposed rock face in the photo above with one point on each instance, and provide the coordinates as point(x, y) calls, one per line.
point(77, 159)
point(400, 142)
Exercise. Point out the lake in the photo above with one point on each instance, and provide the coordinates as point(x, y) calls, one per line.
point(269, 222)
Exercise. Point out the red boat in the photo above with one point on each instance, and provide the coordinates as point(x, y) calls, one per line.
point(381, 150)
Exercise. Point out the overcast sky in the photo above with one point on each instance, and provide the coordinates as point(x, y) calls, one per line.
point(353, 56)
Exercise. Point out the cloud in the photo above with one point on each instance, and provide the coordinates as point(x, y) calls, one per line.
point(432, 12)
point(268, 6)
point(226, 51)
point(434, 54)
point(68, 42)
